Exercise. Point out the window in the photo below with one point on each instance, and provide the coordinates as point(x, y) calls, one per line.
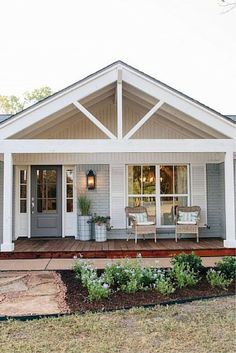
point(69, 190)
point(173, 190)
point(46, 191)
point(160, 189)
point(23, 191)
point(142, 187)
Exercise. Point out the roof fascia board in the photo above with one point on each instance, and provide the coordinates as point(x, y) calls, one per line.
point(178, 101)
point(58, 102)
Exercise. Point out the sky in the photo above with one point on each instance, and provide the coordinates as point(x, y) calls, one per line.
point(188, 44)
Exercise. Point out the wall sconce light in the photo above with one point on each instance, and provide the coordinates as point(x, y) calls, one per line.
point(91, 180)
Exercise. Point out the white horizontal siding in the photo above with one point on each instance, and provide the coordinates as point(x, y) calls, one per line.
point(116, 158)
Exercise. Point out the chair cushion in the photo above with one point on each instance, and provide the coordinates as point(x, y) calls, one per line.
point(186, 222)
point(139, 217)
point(145, 223)
point(188, 217)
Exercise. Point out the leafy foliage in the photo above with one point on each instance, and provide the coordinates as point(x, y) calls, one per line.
point(218, 279)
point(193, 261)
point(100, 220)
point(84, 205)
point(164, 286)
point(13, 104)
point(130, 277)
point(96, 286)
point(183, 275)
point(227, 266)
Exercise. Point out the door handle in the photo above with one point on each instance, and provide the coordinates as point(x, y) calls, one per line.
point(32, 205)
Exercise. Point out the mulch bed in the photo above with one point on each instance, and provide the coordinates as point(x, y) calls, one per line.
point(77, 300)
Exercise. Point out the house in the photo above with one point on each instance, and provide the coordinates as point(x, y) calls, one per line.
point(145, 142)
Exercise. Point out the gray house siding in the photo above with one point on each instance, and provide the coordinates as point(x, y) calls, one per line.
point(1, 200)
point(100, 197)
point(215, 201)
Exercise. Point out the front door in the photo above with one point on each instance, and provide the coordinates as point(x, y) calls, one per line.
point(46, 199)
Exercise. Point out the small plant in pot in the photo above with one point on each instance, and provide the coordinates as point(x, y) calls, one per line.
point(101, 225)
point(84, 205)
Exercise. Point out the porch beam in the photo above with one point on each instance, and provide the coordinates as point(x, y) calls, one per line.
point(146, 117)
point(7, 244)
point(110, 145)
point(119, 104)
point(94, 120)
point(230, 241)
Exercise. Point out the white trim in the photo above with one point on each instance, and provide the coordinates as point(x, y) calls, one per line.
point(69, 218)
point(229, 198)
point(119, 105)
point(63, 210)
point(178, 101)
point(7, 244)
point(158, 194)
point(230, 243)
point(102, 79)
point(109, 145)
point(29, 200)
point(22, 220)
point(94, 120)
point(144, 119)
point(57, 102)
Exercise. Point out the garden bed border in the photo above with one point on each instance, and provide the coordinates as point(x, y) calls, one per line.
point(152, 305)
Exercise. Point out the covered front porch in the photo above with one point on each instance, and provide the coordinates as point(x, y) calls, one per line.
point(146, 143)
point(70, 248)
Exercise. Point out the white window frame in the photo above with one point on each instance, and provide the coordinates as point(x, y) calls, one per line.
point(158, 194)
point(68, 217)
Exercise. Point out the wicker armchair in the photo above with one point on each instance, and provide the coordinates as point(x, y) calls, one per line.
point(147, 227)
point(187, 228)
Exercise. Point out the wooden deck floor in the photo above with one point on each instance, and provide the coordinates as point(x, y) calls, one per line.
point(69, 247)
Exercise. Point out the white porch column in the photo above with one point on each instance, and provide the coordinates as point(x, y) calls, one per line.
point(230, 241)
point(7, 244)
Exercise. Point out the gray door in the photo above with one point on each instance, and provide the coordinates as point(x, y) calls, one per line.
point(46, 198)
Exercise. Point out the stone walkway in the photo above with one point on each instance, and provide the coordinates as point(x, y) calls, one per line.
point(67, 264)
point(27, 293)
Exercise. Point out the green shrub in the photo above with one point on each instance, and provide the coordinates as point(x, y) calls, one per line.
point(97, 289)
point(96, 286)
point(150, 276)
point(183, 275)
point(227, 266)
point(193, 261)
point(164, 286)
point(218, 279)
point(128, 276)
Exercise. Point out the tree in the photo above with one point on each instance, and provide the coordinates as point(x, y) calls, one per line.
point(229, 5)
point(13, 104)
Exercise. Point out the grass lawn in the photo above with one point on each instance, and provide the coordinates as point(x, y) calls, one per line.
point(201, 327)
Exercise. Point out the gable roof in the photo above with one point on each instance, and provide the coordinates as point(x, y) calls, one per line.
point(4, 117)
point(230, 119)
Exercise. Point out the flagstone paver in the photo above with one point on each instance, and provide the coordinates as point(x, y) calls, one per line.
point(32, 292)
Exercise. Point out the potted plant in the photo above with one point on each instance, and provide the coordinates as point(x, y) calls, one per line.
point(101, 225)
point(84, 226)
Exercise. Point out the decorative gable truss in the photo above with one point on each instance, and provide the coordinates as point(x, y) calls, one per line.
point(118, 73)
